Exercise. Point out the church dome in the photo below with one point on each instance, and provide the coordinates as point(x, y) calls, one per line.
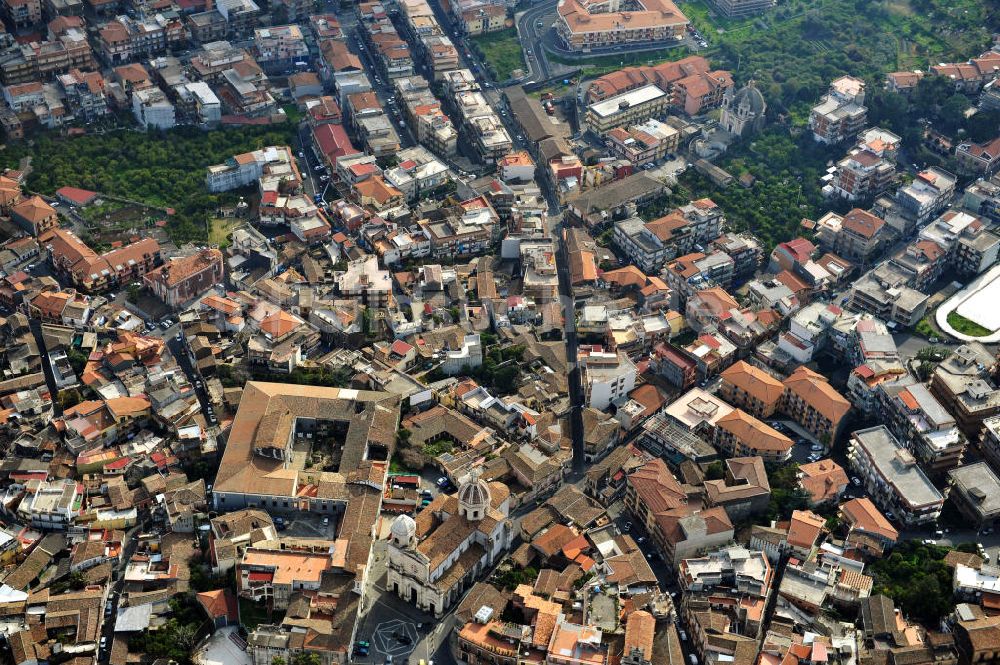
point(749, 97)
point(474, 498)
point(403, 529)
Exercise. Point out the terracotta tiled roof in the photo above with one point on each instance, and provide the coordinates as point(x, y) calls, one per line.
point(815, 391)
point(755, 381)
point(756, 435)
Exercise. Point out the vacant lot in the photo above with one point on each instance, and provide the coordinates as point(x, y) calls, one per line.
point(502, 52)
point(220, 228)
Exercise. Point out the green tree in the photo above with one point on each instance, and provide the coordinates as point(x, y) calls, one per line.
point(715, 471)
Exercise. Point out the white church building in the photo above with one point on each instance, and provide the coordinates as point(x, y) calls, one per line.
point(434, 558)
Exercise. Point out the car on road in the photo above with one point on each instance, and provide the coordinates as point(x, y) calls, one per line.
point(816, 448)
point(856, 481)
point(627, 526)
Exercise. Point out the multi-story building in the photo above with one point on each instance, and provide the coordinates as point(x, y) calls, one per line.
point(927, 195)
point(642, 144)
point(869, 169)
point(85, 93)
point(43, 60)
point(751, 389)
point(700, 93)
point(628, 108)
point(979, 158)
point(892, 478)
point(649, 245)
point(607, 376)
point(278, 47)
point(975, 490)
point(885, 291)
point(963, 383)
point(583, 26)
point(738, 434)
point(151, 108)
point(841, 113)
point(180, 280)
point(90, 272)
point(22, 14)
point(34, 215)
point(736, 569)
point(365, 282)
point(271, 575)
point(861, 234)
point(913, 414)
point(811, 401)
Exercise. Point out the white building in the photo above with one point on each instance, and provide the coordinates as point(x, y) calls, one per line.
point(152, 109)
point(470, 356)
point(50, 505)
point(432, 563)
point(199, 97)
point(607, 377)
point(892, 478)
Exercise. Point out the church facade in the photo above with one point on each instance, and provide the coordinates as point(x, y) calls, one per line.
point(434, 558)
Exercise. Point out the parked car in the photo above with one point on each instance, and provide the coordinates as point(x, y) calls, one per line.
point(856, 481)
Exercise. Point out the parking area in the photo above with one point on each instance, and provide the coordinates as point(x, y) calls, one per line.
point(392, 630)
point(807, 448)
point(307, 525)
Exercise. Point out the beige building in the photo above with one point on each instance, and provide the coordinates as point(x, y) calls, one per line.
point(432, 559)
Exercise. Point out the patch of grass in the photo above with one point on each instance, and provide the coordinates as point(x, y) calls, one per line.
point(502, 52)
point(253, 614)
point(925, 328)
point(967, 327)
point(601, 65)
point(219, 228)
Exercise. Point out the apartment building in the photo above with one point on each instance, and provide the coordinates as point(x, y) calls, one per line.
point(964, 384)
point(918, 419)
point(869, 169)
point(607, 376)
point(979, 158)
point(91, 272)
point(861, 235)
point(22, 14)
point(885, 291)
point(731, 570)
point(738, 434)
point(152, 109)
point(629, 108)
point(278, 47)
point(34, 215)
point(892, 478)
point(814, 404)
point(43, 60)
point(927, 195)
point(582, 25)
point(751, 389)
point(686, 275)
point(975, 490)
point(964, 242)
point(180, 280)
point(841, 113)
point(664, 75)
point(85, 93)
point(643, 143)
point(649, 245)
point(700, 93)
